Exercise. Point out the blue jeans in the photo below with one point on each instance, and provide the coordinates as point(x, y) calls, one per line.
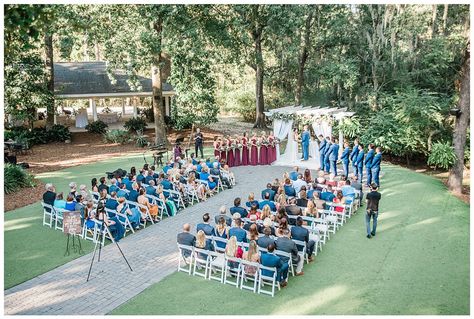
point(374, 216)
point(282, 273)
point(376, 173)
point(333, 167)
point(369, 175)
point(345, 167)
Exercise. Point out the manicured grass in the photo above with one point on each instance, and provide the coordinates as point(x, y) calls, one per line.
point(417, 264)
point(32, 249)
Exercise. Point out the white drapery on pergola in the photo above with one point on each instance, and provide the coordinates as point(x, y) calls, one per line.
point(282, 124)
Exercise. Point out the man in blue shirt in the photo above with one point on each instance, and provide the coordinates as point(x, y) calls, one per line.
point(345, 159)
point(150, 189)
point(272, 260)
point(207, 228)
point(327, 195)
point(368, 164)
point(294, 174)
point(238, 209)
point(376, 165)
point(238, 232)
point(322, 147)
point(333, 155)
point(360, 162)
point(270, 191)
point(268, 202)
point(353, 157)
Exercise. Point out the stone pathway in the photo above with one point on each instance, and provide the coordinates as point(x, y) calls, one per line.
point(152, 253)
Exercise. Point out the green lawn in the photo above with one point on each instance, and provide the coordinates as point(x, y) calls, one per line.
point(417, 264)
point(32, 249)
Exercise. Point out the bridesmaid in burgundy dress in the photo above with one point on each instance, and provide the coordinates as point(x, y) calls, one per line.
point(222, 146)
point(230, 153)
point(217, 145)
point(237, 151)
point(253, 150)
point(263, 150)
point(271, 153)
point(245, 150)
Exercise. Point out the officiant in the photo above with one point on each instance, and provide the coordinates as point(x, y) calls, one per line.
point(198, 142)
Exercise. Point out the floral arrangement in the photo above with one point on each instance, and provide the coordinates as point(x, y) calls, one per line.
point(239, 146)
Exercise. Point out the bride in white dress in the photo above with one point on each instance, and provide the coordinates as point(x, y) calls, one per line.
point(290, 157)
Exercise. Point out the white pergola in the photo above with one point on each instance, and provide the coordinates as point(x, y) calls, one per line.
point(337, 113)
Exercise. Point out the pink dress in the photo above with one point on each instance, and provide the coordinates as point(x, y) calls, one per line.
point(271, 151)
point(253, 153)
point(245, 152)
point(230, 155)
point(237, 156)
point(216, 149)
point(262, 160)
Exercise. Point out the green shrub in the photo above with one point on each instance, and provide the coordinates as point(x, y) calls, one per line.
point(59, 133)
point(147, 112)
point(15, 178)
point(246, 106)
point(97, 127)
point(135, 124)
point(141, 139)
point(117, 136)
point(442, 155)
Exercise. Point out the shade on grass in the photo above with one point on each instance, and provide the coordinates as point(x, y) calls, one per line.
point(417, 264)
point(32, 249)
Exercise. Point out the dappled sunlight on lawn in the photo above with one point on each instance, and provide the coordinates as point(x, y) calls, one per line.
point(309, 303)
point(428, 221)
point(20, 223)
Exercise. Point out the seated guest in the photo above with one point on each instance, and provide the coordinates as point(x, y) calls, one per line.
point(149, 177)
point(152, 209)
point(358, 187)
point(186, 238)
point(276, 185)
point(253, 232)
point(203, 243)
point(141, 177)
point(271, 260)
point(132, 214)
point(111, 203)
point(253, 220)
point(79, 205)
point(268, 223)
point(265, 240)
point(166, 183)
point(238, 232)
point(311, 210)
point(114, 225)
point(216, 171)
point(318, 202)
point(70, 203)
point(341, 200)
point(327, 195)
point(299, 183)
point(223, 214)
point(331, 182)
point(342, 182)
point(282, 227)
point(72, 189)
point(348, 190)
point(303, 200)
point(133, 171)
point(222, 231)
point(128, 181)
point(253, 256)
point(238, 209)
point(289, 189)
point(298, 232)
point(293, 175)
point(281, 200)
point(307, 176)
point(150, 189)
point(281, 213)
point(133, 195)
point(113, 185)
point(270, 191)
point(83, 191)
point(102, 185)
point(94, 187)
point(314, 188)
point(121, 192)
point(205, 226)
point(49, 196)
point(89, 215)
point(268, 202)
point(233, 250)
point(235, 216)
point(321, 179)
point(59, 202)
point(266, 212)
point(293, 210)
point(204, 175)
point(251, 200)
point(284, 243)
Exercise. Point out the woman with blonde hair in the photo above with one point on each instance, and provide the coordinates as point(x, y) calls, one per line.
point(311, 210)
point(253, 232)
point(266, 212)
point(281, 202)
point(252, 256)
point(233, 250)
point(203, 243)
point(321, 179)
point(152, 209)
point(251, 201)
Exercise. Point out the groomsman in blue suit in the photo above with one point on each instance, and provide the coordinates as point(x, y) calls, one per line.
point(360, 162)
point(322, 147)
point(333, 155)
point(345, 159)
point(368, 164)
point(376, 165)
point(353, 156)
point(305, 143)
point(326, 154)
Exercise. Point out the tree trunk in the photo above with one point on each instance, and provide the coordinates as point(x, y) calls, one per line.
point(156, 78)
point(445, 19)
point(303, 57)
point(433, 21)
point(49, 65)
point(460, 129)
point(259, 69)
point(97, 50)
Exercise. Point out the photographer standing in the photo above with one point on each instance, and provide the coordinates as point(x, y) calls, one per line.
point(198, 142)
point(373, 199)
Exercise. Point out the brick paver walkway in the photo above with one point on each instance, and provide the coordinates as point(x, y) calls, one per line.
point(152, 253)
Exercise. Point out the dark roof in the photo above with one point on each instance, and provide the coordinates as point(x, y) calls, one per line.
point(89, 78)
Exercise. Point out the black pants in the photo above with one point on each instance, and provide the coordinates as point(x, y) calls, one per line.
point(196, 148)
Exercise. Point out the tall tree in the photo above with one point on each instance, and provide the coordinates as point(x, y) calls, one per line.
point(303, 57)
point(462, 121)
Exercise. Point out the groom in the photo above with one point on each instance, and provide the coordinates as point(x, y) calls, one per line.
point(305, 143)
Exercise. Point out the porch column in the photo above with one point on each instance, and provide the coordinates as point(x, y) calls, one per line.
point(123, 107)
point(341, 138)
point(167, 105)
point(135, 111)
point(93, 106)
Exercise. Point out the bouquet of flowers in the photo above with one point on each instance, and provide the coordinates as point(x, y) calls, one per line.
point(232, 146)
point(239, 146)
point(265, 142)
point(222, 148)
point(259, 143)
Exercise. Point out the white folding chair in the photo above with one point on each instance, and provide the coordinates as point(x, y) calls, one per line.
point(220, 186)
point(232, 267)
point(216, 265)
point(160, 203)
point(88, 231)
point(220, 240)
point(123, 219)
point(247, 275)
point(182, 258)
point(145, 215)
point(176, 196)
point(48, 213)
point(59, 218)
point(287, 256)
point(303, 253)
point(192, 194)
point(267, 279)
point(201, 260)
